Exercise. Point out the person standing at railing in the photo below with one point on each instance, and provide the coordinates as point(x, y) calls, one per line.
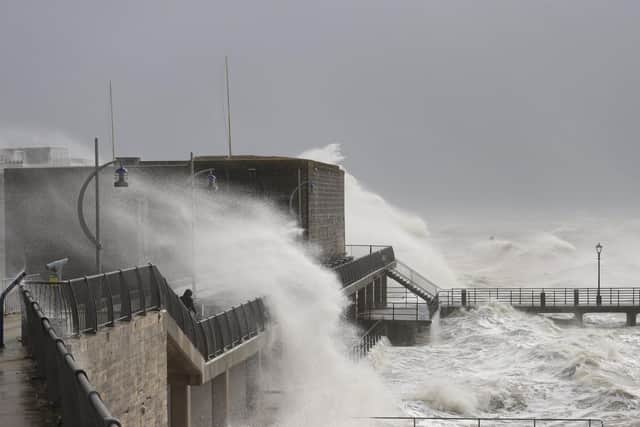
point(187, 300)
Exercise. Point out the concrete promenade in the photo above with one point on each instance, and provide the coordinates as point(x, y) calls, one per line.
point(22, 399)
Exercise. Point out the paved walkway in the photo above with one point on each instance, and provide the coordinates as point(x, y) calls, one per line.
point(22, 399)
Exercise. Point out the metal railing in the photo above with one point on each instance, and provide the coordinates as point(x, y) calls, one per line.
point(479, 422)
point(540, 297)
point(415, 278)
point(359, 251)
point(368, 340)
point(67, 384)
point(397, 311)
point(401, 294)
point(90, 303)
point(379, 258)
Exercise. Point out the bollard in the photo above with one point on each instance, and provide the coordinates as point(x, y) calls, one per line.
point(542, 299)
point(463, 296)
point(576, 297)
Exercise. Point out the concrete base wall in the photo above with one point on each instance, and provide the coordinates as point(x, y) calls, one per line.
point(229, 398)
point(402, 333)
point(127, 365)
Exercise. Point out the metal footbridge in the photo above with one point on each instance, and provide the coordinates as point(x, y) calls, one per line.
point(412, 296)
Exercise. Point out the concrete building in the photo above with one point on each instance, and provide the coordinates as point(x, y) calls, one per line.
point(131, 336)
point(42, 224)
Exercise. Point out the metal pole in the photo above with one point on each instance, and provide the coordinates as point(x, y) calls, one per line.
point(113, 133)
point(226, 72)
point(300, 197)
point(598, 297)
point(97, 178)
point(193, 225)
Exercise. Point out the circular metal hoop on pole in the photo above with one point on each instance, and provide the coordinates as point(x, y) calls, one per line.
point(83, 189)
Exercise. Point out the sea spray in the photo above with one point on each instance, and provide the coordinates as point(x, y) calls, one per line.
point(246, 248)
point(370, 219)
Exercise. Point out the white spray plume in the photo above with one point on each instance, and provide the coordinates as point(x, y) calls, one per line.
point(247, 248)
point(370, 219)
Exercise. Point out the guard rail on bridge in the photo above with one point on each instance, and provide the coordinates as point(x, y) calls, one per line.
point(375, 258)
point(418, 312)
point(541, 297)
point(90, 303)
point(493, 422)
point(368, 340)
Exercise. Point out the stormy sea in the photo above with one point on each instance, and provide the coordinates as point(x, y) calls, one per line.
point(496, 361)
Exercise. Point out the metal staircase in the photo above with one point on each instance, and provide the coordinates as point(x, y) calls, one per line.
point(413, 281)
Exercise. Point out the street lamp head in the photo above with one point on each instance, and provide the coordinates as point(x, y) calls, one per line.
point(121, 177)
point(598, 248)
point(212, 180)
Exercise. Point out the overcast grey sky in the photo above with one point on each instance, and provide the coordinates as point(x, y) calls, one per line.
point(439, 105)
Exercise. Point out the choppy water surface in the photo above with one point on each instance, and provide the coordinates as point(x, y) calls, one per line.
point(496, 361)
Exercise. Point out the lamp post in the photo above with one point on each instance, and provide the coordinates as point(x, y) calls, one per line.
point(212, 184)
point(598, 296)
point(120, 182)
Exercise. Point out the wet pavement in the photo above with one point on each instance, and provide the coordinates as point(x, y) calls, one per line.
point(23, 401)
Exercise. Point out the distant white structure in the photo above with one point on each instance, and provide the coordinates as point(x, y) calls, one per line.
point(38, 156)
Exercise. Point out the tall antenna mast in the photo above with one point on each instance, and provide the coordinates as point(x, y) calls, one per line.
point(226, 73)
point(113, 136)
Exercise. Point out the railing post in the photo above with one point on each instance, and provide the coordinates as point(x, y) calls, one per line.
point(4, 294)
point(110, 316)
point(125, 297)
point(75, 316)
point(143, 302)
point(463, 297)
point(155, 285)
point(576, 297)
point(91, 310)
point(542, 299)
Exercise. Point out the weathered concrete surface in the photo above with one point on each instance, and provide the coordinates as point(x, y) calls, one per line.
point(193, 365)
point(127, 364)
point(23, 401)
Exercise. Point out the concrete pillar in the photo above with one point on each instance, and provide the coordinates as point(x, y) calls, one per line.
point(631, 318)
point(579, 316)
point(180, 404)
point(362, 303)
point(220, 399)
point(383, 279)
point(377, 287)
point(201, 410)
point(369, 295)
point(351, 309)
point(237, 393)
point(253, 382)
